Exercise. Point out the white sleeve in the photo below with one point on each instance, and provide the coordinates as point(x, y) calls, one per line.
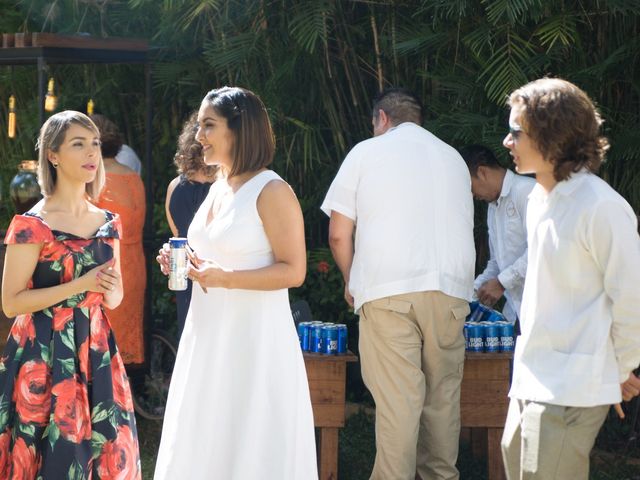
point(615, 246)
point(342, 193)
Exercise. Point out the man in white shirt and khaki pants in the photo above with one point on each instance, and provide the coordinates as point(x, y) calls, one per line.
point(507, 195)
point(580, 319)
point(407, 197)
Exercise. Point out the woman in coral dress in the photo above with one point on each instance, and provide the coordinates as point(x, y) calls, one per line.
point(123, 194)
point(65, 403)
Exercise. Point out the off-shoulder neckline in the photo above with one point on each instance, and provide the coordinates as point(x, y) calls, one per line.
point(109, 217)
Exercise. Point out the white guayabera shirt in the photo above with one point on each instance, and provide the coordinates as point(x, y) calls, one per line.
point(506, 220)
point(580, 319)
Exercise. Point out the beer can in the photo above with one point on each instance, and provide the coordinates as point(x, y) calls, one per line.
point(472, 309)
point(479, 314)
point(342, 338)
point(475, 335)
point(329, 339)
point(494, 316)
point(315, 338)
point(178, 264)
point(507, 341)
point(303, 335)
point(491, 337)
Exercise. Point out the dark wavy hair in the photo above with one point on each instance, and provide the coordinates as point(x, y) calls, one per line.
point(188, 157)
point(564, 124)
point(110, 137)
point(253, 138)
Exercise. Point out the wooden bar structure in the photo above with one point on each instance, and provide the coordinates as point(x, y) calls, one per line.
point(484, 404)
point(327, 376)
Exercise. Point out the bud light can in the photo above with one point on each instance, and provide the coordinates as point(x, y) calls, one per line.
point(329, 339)
point(315, 338)
point(507, 342)
point(494, 317)
point(475, 334)
point(303, 335)
point(178, 263)
point(472, 308)
point(491, 337)
point(479, 314)
point(342, 338)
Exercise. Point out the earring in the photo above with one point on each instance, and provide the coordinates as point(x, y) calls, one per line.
point(55, 165)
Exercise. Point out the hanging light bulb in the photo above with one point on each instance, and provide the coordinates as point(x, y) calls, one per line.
point(11, 131)
point(90, 107)
point(50, 100)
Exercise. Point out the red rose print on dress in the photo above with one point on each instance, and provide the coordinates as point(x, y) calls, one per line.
point(99, 330)
point(23, 329)
point(119, 457)
point(32, 392)
point(5, 456)
point(60, 318)
point(121, 391)
point(71, 412)
point(24, 461)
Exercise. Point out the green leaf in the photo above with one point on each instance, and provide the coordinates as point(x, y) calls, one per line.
point(67, 337)
point(76, 472)
point(54, 434)
point(106, 359)
point(97, 441)
point(68, 366)
point(27, 429)
point(99, 413)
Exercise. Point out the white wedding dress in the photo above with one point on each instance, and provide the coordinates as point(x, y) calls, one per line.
point(239, 405)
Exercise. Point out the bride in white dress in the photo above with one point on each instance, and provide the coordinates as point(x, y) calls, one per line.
point(239, 405)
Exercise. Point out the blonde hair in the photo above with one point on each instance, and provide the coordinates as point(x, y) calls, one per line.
point(51, 136)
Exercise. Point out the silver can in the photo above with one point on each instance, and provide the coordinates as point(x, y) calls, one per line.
point(178, 263)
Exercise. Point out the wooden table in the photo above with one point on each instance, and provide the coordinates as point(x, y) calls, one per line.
point(484, 404)
point(327, 383)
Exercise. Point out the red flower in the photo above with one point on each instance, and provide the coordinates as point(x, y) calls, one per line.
point(78, 246)
point(24, 461)
point(90, 299)
point(323, 266)
point(72, 410)
point(83, 359)
point(99, 330)
point(68, 268)
point(61, 317)
point(121, 390)
point(32, 392)
point(5, 457)
point(22, 329)
point(54, 251)
point(25, 229)
point(119, 457)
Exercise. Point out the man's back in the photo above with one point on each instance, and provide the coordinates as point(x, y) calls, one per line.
point(410, 196)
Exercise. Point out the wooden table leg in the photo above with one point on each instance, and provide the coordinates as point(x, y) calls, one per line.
point(479, 442)
point(328, 460)
point(495, 466)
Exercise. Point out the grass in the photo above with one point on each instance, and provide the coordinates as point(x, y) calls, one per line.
point(357, 452)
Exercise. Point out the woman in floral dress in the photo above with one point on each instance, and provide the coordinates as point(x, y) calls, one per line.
point(65, 403)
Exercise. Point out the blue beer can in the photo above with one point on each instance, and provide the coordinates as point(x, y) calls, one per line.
point(507, 342)
point(472, 309)
point(315, 338)
point(342, 338)
point(479, 314)
point(494, 317)
point(491, 337)
point(329, 339)
point(303, 335)
point(474, 332)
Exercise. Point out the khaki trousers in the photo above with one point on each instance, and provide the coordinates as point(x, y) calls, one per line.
point(548, 442)
point(412, 356)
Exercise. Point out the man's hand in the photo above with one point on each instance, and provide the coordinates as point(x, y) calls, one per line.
point(490, 292)
point(630, 388)
point(347, 296)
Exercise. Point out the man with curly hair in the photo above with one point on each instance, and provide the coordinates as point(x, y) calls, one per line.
point(580, 321)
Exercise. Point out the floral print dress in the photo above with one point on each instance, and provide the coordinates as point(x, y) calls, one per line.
point(65, 405)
